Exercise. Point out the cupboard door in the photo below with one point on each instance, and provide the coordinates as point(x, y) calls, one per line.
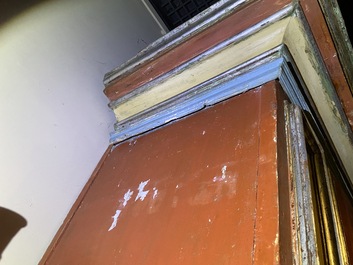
point(201, 190)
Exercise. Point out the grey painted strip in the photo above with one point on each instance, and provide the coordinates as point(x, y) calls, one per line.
point(291, 88)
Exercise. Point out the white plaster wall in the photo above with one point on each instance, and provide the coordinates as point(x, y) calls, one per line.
point(54, 119)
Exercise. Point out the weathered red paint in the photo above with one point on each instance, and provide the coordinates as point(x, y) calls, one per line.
point(235, 23)
point(284, 192)
point(328, 52)
point(200, 214)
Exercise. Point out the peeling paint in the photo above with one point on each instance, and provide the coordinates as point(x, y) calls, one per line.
point(115, 220)
point(142, 193)
point(223, 177)
point(127, 197)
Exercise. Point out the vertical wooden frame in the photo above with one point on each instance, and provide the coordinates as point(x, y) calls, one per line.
point(317, 235)
point(304, 240)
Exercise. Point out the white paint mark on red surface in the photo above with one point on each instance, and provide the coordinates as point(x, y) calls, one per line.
point(115, 220)
point(155, 193)
point(142, 193)
point(127, 197)
point(223, 177)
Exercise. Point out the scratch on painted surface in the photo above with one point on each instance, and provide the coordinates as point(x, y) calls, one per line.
point(155, 193)
point(142, 193)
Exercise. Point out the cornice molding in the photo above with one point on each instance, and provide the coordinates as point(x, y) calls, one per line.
point(205, 19)
point(245, 61)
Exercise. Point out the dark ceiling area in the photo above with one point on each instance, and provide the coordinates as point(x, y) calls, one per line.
point(175, 12)
point(345, 7)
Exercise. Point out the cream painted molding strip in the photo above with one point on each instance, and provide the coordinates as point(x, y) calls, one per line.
point(203, 70)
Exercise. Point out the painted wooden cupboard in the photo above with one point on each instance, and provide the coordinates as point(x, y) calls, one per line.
point(233, 145)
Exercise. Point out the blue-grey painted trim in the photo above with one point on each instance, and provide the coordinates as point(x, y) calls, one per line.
point(291, 87)
point(195, 99)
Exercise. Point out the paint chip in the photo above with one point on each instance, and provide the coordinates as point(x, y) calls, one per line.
point(142, 193)
point(127, 197)
point(115, 220)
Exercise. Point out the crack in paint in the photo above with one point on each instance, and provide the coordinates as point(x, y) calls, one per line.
point(155, 193)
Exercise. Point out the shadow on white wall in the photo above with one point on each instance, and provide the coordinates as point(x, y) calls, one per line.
point(55, 122)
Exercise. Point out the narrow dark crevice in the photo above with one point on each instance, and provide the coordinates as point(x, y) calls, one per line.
point(346, 11)
point(176, 12)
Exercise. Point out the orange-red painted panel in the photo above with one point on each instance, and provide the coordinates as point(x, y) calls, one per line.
point(202, 190)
